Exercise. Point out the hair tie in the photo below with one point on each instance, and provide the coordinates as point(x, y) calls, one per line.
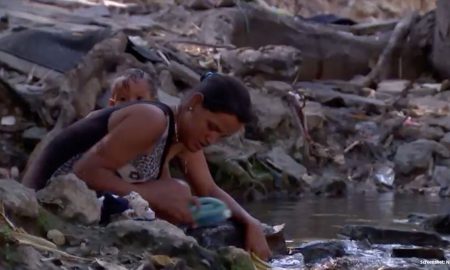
point(207, 75)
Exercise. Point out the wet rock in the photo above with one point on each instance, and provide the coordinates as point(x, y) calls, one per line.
point(230, 233)
point(316, 251)
point(226, 234)
point(445, 140)
point(418, 218)
point(275, 239)
point(423, 253)
point(276, 62)
point(18, 199)
point(417, 155)
point(421, 132)
point(437, 223)
point(278, 158)
point(71, 198)
point(390, 236)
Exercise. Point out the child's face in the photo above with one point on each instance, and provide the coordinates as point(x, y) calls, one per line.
point(139, 90)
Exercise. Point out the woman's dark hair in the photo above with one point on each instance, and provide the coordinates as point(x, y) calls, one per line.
point(225, 94)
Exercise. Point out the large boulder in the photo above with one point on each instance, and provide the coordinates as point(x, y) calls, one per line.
point(378, 235)
point(161, 237)
point(278, 158)
point(317, 250)
point(18, 199)
point(71, 199)
point(277, 62)
point(273, 115)
point(417, 155)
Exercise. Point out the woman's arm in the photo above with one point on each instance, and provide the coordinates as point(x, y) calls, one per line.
point(129, 135)
point(202, 183)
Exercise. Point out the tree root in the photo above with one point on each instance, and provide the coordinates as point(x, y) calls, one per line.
point(385, 60)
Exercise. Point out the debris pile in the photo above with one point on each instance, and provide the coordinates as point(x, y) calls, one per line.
point(375, 115)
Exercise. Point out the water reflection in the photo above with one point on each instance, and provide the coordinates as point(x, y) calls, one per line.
point(321, 218)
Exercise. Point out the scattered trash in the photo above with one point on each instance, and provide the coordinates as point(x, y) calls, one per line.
point(9, 120)
point(384, 175)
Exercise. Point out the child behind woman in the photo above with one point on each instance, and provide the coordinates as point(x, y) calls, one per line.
point(134, 84)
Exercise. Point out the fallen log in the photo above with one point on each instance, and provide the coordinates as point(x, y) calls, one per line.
point(328, 53)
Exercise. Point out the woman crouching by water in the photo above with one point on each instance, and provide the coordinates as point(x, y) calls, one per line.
point(128, 148)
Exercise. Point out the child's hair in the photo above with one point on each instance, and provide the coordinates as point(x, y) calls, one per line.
point(134, 75)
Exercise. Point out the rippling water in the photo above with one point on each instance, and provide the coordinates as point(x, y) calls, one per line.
point(316, 218)
point(321, 218)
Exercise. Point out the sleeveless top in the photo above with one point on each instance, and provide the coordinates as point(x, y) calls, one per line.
point(69, 146)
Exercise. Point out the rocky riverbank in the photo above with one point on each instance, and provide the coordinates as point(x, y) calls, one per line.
point(389, 131)
point(57, 228)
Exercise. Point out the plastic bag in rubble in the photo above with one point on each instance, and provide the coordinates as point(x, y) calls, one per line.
point(385, 175)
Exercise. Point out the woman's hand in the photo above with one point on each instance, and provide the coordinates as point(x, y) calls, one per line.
point(255, 239)
point(170, 199)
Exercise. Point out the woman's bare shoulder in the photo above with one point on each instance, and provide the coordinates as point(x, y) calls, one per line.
point(140, 118)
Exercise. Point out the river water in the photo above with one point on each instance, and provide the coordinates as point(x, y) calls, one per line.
point(318, 218)
point(315, 218)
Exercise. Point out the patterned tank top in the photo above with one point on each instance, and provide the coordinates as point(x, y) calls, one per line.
point(68, 147)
